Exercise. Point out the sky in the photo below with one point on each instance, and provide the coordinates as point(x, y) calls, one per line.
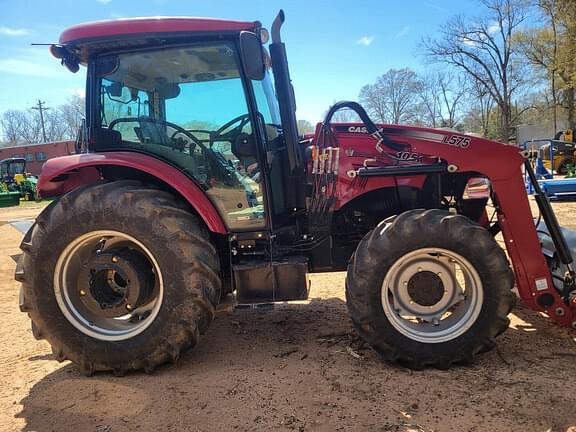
point(334, 47)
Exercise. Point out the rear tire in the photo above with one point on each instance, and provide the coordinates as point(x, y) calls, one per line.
point(148, 229)
point(435, 321)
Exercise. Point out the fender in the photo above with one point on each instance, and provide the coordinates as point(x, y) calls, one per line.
point(62, 174)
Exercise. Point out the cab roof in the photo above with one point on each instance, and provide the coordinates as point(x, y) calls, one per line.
point(93, 32)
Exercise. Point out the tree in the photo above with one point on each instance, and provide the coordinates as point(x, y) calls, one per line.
point(31, 127)
point(11, 122)
point(305, 127)
point(441, 96)
point(483, 50)
point(540, 47)
point(479, 118)
point(430, 102)
point(566, 64)
point(25, 126)
point(344, 115)
point(72, 114)
point(393, 97)
point(550, 48)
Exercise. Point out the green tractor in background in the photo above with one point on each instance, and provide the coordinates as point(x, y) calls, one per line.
point(14, 179)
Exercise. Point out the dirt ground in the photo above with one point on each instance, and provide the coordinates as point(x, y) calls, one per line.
point(298, 367)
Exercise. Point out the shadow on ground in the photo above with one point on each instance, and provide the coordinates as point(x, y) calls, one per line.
point(301, 367)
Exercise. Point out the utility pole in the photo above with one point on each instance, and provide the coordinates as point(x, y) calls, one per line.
point(41, 108)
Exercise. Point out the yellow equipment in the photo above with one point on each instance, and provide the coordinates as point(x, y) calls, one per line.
point(563, 154)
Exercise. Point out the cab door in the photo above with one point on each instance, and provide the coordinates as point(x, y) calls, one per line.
point(188, 105)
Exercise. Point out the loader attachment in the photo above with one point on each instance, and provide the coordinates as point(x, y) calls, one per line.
point(553, 237)
point(560, 272)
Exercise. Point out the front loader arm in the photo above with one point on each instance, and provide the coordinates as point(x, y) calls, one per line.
point(502, 165)
point(533, 277)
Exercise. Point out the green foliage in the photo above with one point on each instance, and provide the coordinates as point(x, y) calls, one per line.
point(551, 50)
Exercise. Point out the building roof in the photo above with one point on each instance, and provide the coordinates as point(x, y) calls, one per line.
point(22, 146)
point(110, 29)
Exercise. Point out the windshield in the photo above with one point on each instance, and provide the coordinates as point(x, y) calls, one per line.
point(12, 168)
point(266, 99)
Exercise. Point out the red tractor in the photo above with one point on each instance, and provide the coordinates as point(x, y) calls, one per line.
point(191, 185)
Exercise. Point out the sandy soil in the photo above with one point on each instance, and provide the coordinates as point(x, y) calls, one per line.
point(299, 367)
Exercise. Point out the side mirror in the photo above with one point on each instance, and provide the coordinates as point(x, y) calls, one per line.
point(244, 146)
point(252, 55)
point(79, 145)
point(168, 90)
point(66, 57)
point(114, 89)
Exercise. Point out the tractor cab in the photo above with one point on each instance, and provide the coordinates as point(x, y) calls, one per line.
point(202, 100)
point(206, 99)
point(557, 155)
point(14, 178)
point(13, 170)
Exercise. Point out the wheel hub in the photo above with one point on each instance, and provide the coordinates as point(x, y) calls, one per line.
point(114, 283)
point(425, 288)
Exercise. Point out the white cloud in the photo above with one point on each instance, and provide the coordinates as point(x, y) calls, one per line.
point(402, 32)
point(25, 67)
point(77, 91)
point(104, 1)
point(493, 28)
point(437, 7)
point(7, 31)
point(365, 40)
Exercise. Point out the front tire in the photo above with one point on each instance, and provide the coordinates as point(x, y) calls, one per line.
point(119, 276)
point(427, 288)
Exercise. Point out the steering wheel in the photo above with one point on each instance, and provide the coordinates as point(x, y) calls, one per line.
point(230, 130)
point(179, 129)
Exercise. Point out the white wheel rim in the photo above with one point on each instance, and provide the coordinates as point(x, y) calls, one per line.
point(66, 291)
point(456, 304)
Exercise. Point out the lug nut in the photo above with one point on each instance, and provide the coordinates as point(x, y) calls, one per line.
point(574, 325)
point(439, 273)
point(129, 306)
point(419, 269)
point(114, 259)
point(559, 311)
point(82, 292)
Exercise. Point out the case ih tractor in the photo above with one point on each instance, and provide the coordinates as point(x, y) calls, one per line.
point(191, 186)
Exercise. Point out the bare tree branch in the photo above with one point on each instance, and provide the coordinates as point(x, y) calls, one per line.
point(483, 49)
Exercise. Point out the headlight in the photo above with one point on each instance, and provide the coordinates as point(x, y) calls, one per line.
point(477, 188)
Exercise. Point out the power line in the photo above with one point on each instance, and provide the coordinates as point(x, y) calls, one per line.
point(41, 108)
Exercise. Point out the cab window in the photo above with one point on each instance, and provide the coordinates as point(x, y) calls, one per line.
point(187, 106)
